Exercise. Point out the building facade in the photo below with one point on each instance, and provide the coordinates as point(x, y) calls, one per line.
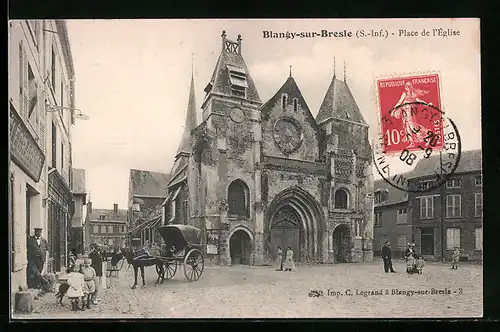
point(254, 176)
point(41, 84)
point(79, 190)
point(452, 214)
point(392, 221)
point(107, 227)
point(147, 191)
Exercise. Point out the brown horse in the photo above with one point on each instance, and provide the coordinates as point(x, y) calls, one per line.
point(139, 262)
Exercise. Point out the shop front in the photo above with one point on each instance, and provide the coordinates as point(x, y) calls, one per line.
point(26, 188)
point(59, 221)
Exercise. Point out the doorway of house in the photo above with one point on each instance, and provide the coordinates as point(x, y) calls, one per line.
point(240, 248)
point(427, 241)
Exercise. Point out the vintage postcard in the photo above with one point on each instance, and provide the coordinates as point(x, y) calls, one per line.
point(245, 168)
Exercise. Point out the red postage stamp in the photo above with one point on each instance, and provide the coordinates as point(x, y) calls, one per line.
point(410, 113)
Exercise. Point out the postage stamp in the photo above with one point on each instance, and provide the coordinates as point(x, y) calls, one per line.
point(409, 111)
point(412, 128)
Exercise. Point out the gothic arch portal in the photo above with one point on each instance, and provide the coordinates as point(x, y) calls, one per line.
point(299, 216)
point(240, 245)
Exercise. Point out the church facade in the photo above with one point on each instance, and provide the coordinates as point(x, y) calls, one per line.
point(254, 176)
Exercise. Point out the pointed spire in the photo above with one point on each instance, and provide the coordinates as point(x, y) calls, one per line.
point(290, 70)
point(333, 67)
point(191, 121)
point(345, 72)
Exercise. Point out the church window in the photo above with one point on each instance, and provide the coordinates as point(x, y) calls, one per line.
point(341, 199)
point(238, 80)
point(295, 106)
point(283, 102)
point(238, 199)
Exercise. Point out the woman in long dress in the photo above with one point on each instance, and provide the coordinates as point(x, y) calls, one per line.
point(289, 265)
point(414, 132)
point(278, 263)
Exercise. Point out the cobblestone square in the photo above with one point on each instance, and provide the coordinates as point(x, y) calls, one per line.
point(261, 292)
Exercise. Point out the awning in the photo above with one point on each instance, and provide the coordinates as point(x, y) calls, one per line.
point(178, 181)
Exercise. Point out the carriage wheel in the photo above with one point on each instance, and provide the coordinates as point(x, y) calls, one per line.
point(193, 265)
point(170, 269)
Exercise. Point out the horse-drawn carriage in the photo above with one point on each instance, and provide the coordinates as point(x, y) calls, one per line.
point(182, 245)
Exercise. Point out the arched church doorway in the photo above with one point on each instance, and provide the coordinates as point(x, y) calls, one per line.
point(240, 247)
point(342, 244)
point(286, 231)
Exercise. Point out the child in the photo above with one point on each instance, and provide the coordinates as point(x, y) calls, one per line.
point(455, 258)
point(89, 281)
point(420, 264)
point(410, 264)
point(76, 284)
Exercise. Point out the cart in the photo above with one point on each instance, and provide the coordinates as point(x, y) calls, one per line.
point(182, 245)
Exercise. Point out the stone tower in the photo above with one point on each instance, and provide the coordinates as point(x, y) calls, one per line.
point(347, 152)
point(226, 150)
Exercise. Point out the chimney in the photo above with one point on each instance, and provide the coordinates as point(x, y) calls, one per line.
point(115, 208)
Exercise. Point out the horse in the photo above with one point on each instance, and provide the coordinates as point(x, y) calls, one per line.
point(144, 261)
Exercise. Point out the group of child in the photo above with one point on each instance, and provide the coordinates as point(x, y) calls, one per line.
point(82, 282)
point(415, 263)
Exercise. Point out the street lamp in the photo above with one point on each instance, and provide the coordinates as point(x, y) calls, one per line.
point(75, 112)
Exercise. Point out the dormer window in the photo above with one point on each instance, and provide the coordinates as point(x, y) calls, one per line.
point(238, 79)
point(295, 105)
point(381, 195)
point(102, 217)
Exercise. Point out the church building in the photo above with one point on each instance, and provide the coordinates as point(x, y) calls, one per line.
point(254, 176)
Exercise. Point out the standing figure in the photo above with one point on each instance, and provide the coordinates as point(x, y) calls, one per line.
point(455, 258)
point(96, 259)
point(289, 265)
point(89, 281)
point(76, 285)
point(420, 264)
point(410, 258)
point(72, 259)
point(414, 133)
point(387, 257)
point(279, 260)
point(37, 252)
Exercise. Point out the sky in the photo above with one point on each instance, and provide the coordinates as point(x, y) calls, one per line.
point(132, 80)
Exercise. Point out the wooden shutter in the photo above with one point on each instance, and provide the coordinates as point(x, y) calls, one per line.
point(41, 119)
point(23, 109)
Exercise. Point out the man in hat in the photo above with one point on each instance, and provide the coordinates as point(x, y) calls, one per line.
point(387, 257)
point(96, 258)
point(37, 252)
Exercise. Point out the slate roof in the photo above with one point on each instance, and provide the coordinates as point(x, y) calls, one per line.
point(394, 196)
point(220, 81)
point(110, 215)
point(78, 185)
point(190, 123)
point(339, 103)
point(291, 88)
point(147, 183)
point(469, 161)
